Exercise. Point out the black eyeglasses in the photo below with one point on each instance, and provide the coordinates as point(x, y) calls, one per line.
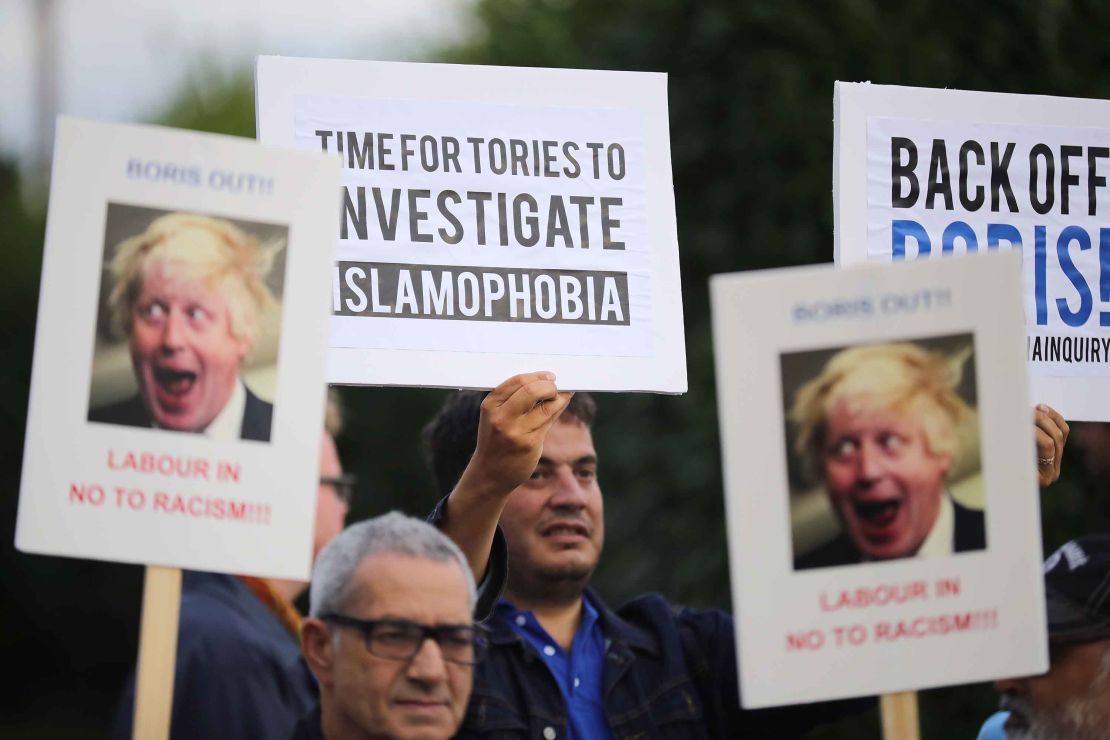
point(400, 639)
point(343, 485)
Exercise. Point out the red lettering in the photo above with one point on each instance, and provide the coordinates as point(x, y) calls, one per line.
point(935, 625)
point(880, 595)
point(86, 494)
point(811, 640)
point(211, 508)
point(170, 466)
point(947, 587)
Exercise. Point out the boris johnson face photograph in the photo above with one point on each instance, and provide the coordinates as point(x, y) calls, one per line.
point(189, 322)
point(883, 454)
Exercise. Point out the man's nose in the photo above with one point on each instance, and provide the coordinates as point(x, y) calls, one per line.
point(172, 331)
point(428, 666)
point(568, 489)
point(871, 462)
point(1009, 685)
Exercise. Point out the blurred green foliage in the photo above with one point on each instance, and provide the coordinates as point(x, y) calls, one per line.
point(751, 135)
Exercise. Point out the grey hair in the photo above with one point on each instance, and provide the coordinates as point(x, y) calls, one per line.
point(389, 534)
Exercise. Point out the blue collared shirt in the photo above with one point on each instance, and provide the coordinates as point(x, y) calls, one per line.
point(578, 674)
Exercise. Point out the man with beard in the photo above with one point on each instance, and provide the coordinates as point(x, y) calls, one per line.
point(561, 664)
point(1072, 700)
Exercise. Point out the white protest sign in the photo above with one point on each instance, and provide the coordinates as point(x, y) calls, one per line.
point(495, 220)
point(881, 497)
point(177, 393)
point(922, 173)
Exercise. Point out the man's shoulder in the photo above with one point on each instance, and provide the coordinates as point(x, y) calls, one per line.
point(258, 417)
point(970, 528)
point(309, 727)
point(222, 623)
point(129, 412)
point(651, 620)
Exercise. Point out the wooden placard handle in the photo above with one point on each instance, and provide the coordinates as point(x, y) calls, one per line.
point(899, 713)
point(157, 653)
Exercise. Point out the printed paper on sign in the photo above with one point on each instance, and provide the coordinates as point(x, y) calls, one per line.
point(926, 173)
point(185, 270)
point(896, 531)
point(493, 220)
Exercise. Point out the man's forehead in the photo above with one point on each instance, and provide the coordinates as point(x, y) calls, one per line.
point(866, 409)
point(568, 441)
point(408, 586)
point(172, 277)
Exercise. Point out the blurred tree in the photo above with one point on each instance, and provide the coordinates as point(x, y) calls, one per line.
point(750, 116)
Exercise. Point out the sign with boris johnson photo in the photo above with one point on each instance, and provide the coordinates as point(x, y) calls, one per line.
point(883, 520)
point(494, 220)
point(922, 174)
point(177, 394)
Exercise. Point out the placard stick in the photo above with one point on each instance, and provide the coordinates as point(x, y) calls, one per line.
point(899, 713)
point(157, 653)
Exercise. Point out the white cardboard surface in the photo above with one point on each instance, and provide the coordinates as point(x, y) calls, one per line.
point(1069, 359)
point(389, 331)
point(1000, 589)
point(76, 496)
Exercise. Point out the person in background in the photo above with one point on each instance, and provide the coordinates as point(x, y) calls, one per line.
point(239, 671)
point(1072, 700)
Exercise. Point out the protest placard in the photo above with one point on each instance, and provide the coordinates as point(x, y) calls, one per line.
point(495, 220)
point(922, 173)
point(177, 392)
point(881, 498)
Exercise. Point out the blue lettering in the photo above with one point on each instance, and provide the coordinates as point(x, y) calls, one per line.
point(899, 230)
point(1104, 274)
point(1067, 236)
point(958, 230)
point(1003, 232)
point(1039, 280)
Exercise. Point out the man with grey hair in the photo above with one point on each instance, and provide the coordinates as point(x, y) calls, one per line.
point(390, 635)
point(1072, 700)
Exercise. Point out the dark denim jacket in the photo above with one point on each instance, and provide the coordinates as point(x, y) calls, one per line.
point(670, 672)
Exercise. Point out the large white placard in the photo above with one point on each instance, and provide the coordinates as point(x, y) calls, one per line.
point(494, 220)
point(923, 173)
point(881, 498)
point(178, 385)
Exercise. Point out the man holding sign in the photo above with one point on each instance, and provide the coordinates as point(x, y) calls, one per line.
point(561, 664)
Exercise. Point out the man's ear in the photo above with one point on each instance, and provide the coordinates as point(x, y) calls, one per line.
point(946, 464)
point(316, 645)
